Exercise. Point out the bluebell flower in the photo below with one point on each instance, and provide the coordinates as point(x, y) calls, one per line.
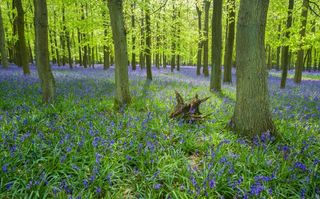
point(9, 185)
point(256, 189)
point(5, 168)
point(301, 166)
point(212, 183)
point(85, 183)
point(157, 186)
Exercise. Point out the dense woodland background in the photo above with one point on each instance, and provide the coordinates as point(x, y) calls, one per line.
point(80, 32)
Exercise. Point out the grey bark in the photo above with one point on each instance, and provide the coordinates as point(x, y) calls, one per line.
point(42, 51)
point(252, 115)
point(122, 94)
point(285, 49)
point(300, 55)
point(216, 48)
point(4, 55)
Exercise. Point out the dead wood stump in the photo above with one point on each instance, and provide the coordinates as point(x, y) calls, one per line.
point(188, 111)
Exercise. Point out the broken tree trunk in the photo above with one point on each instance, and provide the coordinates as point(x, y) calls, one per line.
point(188, 111)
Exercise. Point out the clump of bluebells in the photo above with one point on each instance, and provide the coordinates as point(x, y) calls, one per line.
point(80, 148)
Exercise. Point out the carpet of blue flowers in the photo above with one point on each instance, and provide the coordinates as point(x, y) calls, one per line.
point(79, 147)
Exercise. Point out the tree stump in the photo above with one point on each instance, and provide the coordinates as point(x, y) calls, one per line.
point(188, 111)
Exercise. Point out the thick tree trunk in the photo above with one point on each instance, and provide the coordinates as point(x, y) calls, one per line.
point(285, 49)
point(23, 51)
point(42, 51)
point(4, 55)
point(252, 114)
point(199, 55)
point(300, 55)
point(148, 42)
point(206, 40)
point(227, 75)
point(122, 96)
point(215, 83)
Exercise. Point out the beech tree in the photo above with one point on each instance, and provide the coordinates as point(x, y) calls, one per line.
point(122, 94)
point(228, 54)
point(285, 49)
point(4, 56)
point(21, 47)
point(300, 54)
point(215, 83)
point(206, 41)
point(42, 51)
point(252, 114)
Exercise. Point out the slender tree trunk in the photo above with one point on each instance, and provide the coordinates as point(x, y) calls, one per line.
point(215, 83)
point(133, 25)
point(69, 50)
point(227, 75)
point(79, 49)
point(42, 51)
point(173, 44)
point(148, 42)
point(122, 96)
point(56, 41)
point(142, 46)
point(178, 44)
point(106, 48)
point(157, 47)
point(300, 55)
point(23, 52)
point(53, 56)
point(252, 114)
point(269, 57)
point(278, 49)
point(4, 55)
point(285, 49)
point(63, 38)
point(199, 54)
point(206, 40)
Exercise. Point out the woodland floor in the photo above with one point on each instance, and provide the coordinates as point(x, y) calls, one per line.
point(80, 148)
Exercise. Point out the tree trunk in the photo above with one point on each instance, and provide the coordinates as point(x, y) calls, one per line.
point(269, 57)
point(23, 52)
point(4, 55)
point(199, 55)
point(106, 48)
point(63, 38)
point(142, 46)
point(69, 50)
point(300, 55)
point(252, 114)
point(278, 48)
point(215, 83)
point(285, 49)
point(42, 51)
point(206, 40)
point(133, 24)
point(79, 49)
point(122, 94)
point(173, 45)
point(148, 42)
point(227, 75)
